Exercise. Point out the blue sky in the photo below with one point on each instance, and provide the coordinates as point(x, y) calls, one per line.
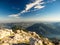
point(29, 10)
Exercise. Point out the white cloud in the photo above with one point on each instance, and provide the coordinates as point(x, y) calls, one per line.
point(14, 16)
point(36, 5)
point(50, 1)
point(39, 7)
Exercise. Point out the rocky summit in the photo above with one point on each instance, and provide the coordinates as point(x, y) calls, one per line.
point(20, 37)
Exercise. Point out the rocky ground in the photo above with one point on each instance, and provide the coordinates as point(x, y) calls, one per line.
point(20, 37)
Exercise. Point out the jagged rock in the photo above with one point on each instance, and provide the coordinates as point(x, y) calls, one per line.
point(35, 41)
point(5, 44)
point(46, 41)
point(8, 37)
point(21, 44)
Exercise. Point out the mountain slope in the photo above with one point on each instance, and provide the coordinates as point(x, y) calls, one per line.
point(20, 37)
point(44, 29)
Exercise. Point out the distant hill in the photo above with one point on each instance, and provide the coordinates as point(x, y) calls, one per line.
point(45, 29)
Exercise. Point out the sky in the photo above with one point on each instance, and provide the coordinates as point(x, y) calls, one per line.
point(29, 10)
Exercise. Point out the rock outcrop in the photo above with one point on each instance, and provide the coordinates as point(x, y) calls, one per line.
point(8, 37)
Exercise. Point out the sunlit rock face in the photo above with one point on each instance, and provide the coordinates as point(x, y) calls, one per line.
point(5, 44)
point(5, 32)
point(8, 37)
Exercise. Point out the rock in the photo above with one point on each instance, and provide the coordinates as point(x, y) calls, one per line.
point(8, 37)
point(35, 41)
point(21, 44)
point(46, 41)
point(5, 44)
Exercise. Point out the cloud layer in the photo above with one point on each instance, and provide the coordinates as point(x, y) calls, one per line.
point(14, 16)
point(37, 4)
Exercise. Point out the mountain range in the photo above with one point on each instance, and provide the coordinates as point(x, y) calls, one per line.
point(50, 30)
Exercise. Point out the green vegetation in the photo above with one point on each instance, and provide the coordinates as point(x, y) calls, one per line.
point(16, 27)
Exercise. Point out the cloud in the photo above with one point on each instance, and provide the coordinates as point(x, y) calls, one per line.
point(14, 16)
point(39, 7)
point(36, 5)
point(50, 1)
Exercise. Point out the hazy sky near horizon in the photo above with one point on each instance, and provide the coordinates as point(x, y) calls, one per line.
point(29, 10)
